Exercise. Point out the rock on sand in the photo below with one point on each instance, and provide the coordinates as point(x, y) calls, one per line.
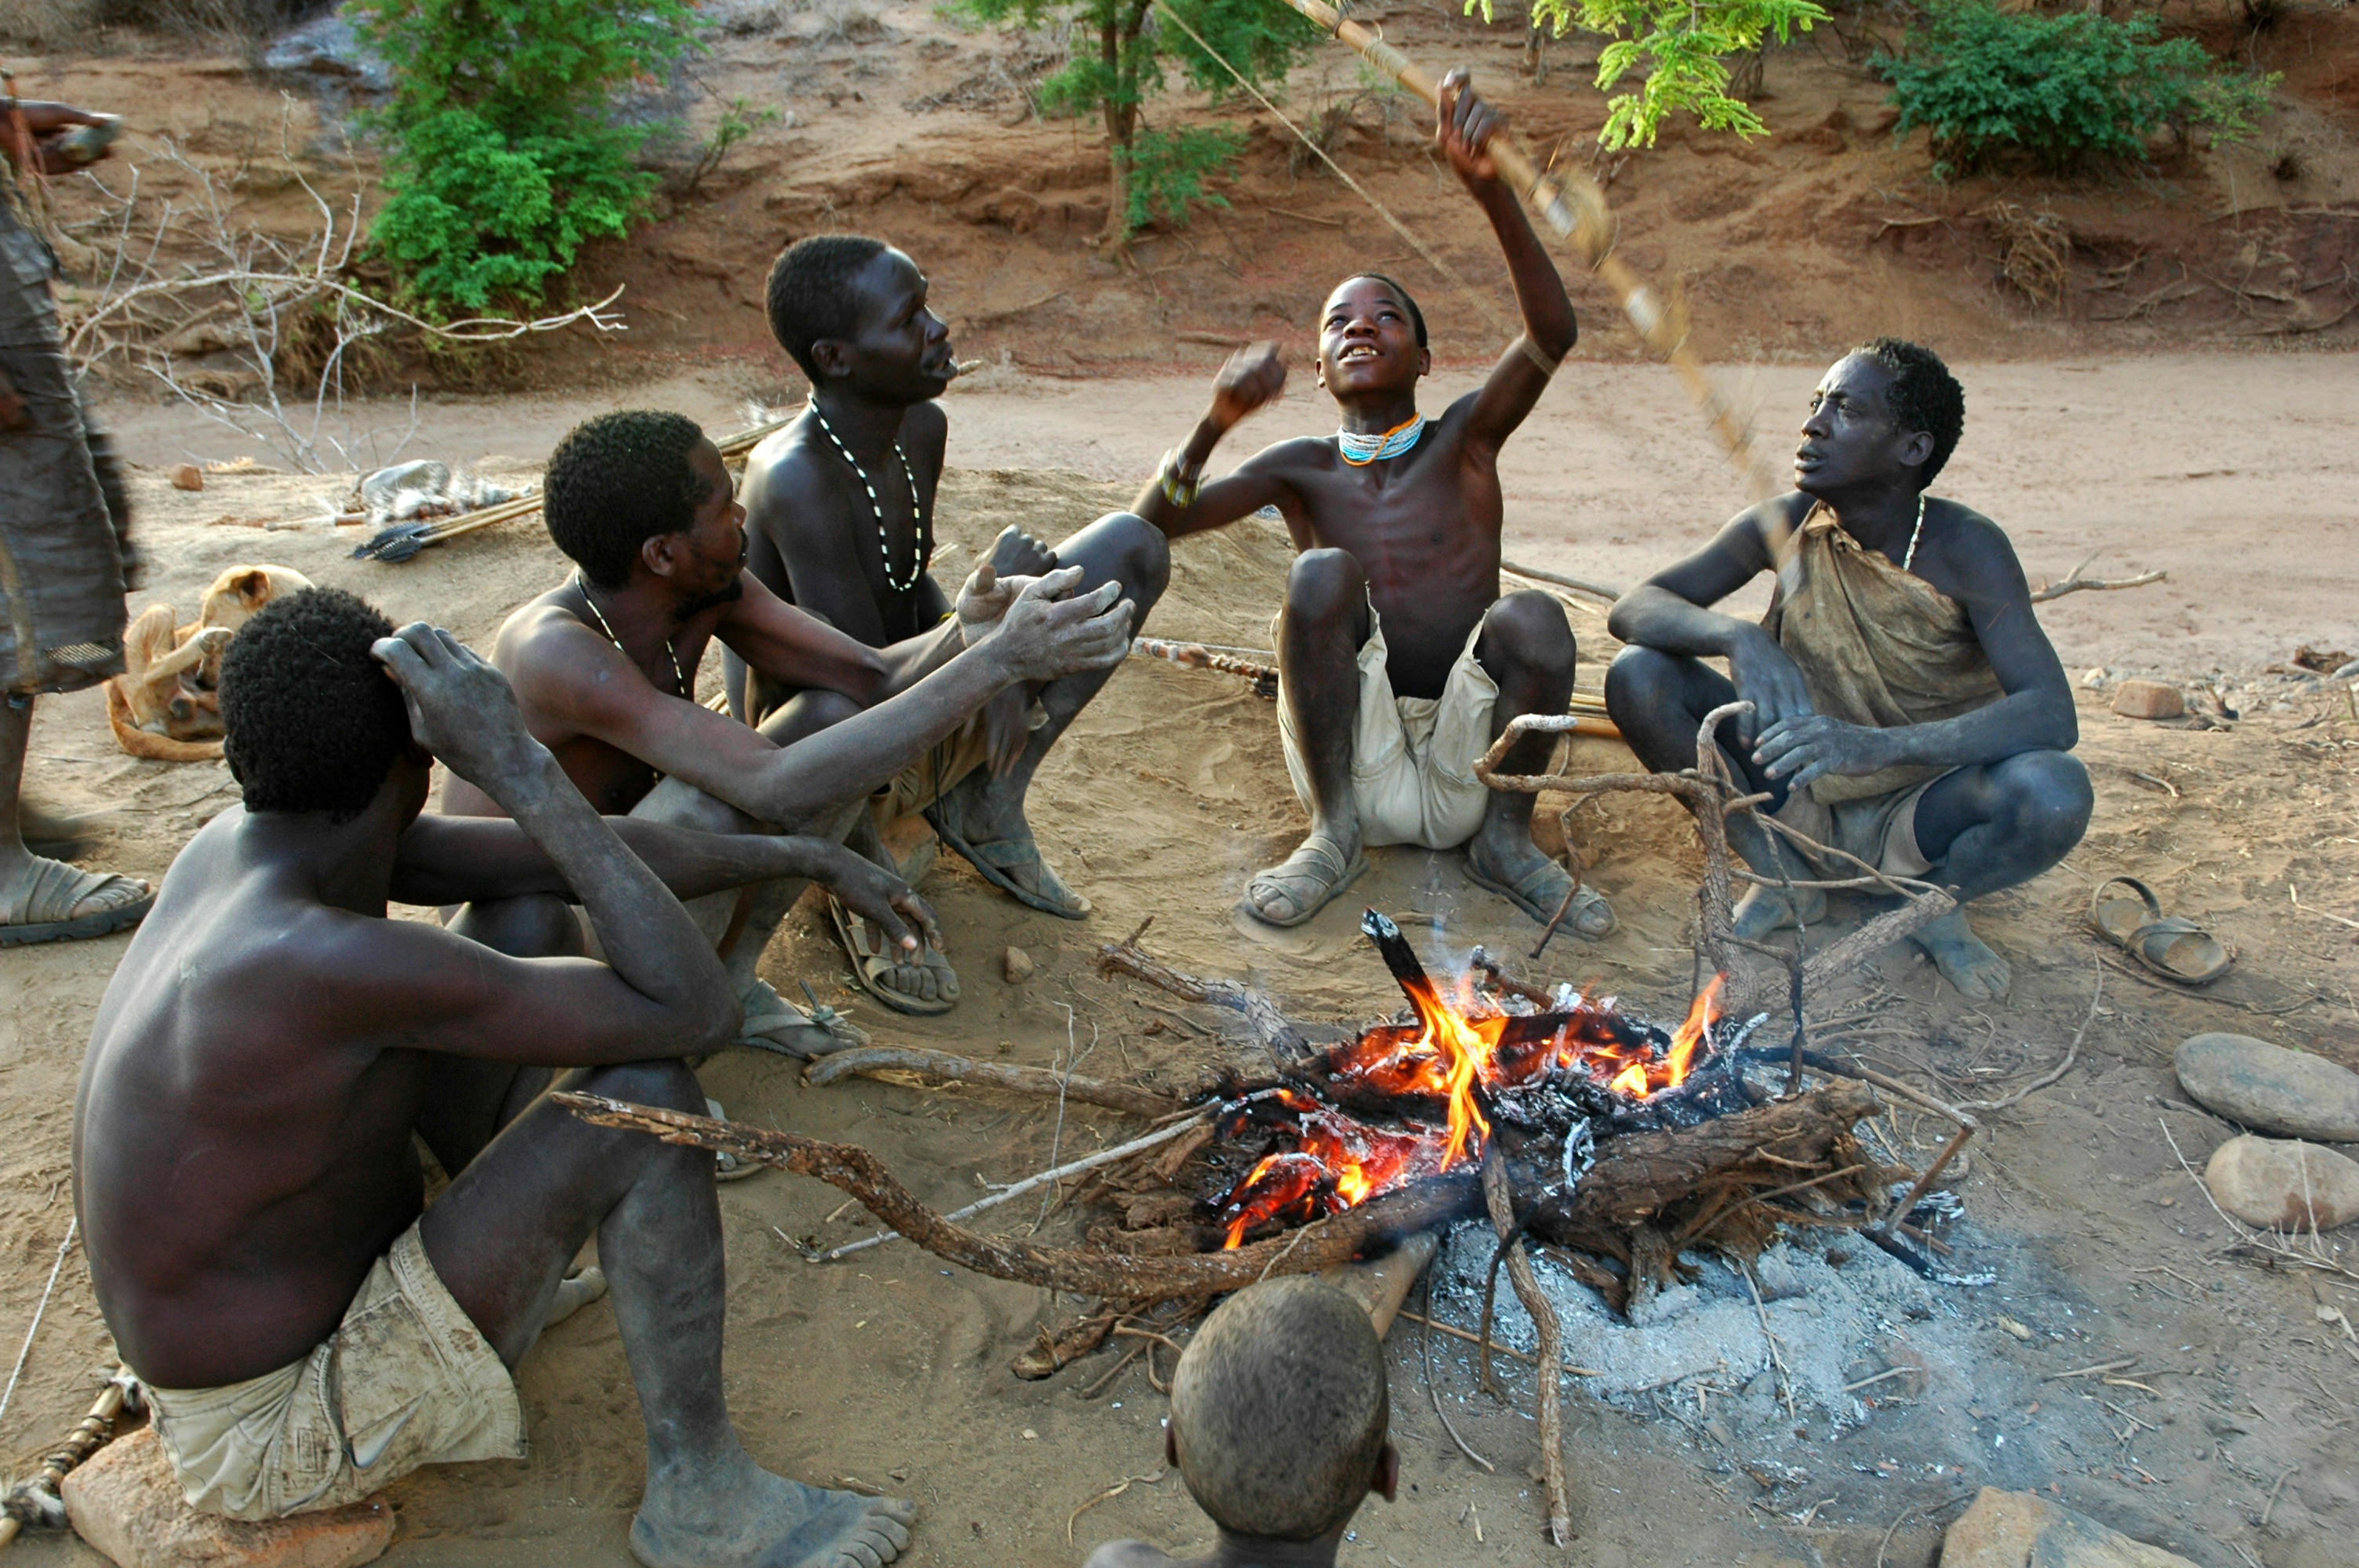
point(2271, 1088)
point(127, 1502)
point(2007, 1530)
point(2280, 1184)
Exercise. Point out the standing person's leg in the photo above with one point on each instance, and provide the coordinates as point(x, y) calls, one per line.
point(1528, 651)
point(1658, 701)
point(1319, 634)
point(982, 816)
point(1983, 829)
point(501, 1238)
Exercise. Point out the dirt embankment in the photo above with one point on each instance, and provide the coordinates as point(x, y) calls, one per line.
point(894, 120)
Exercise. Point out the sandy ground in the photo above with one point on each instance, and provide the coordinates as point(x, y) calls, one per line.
point(892, 1370)
point(2234, 473)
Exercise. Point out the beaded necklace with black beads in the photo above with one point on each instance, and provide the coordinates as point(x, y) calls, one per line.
point(922, 551)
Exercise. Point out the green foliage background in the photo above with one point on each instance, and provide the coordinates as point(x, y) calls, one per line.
point(2063, 88)
point(1121, 52)
point(501, 157)
point(1683, 45)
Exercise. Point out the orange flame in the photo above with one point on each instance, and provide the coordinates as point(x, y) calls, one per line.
point(1341, 1161)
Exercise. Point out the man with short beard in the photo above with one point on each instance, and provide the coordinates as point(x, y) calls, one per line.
point(1906, 707)
point(603, 667)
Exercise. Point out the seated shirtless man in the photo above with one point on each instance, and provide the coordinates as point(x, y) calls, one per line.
point(603, 666)
point(1906, 707)
point(1279, 1420)
point(1399, 661)
point(245, 1171)
point(841, 505)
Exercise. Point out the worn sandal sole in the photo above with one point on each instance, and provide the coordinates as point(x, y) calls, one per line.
point(867, 968)
point(2159, 942)
point(104, 923)
point(1531, 907)
point(998, 878)
point(1352, 874)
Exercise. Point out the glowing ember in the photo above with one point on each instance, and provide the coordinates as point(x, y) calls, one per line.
point(1444, 1065)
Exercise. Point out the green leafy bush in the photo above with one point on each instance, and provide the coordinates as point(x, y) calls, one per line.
point(1168, 169)
point(1123, 48)
point(1682, 45)
point(2062, 88)
point(502, 156)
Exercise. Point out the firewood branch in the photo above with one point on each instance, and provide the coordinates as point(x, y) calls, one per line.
point(2073, 582)
point(1081, 1270)
point(936, 1068)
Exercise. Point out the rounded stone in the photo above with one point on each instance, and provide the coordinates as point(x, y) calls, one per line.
point(2269, 1088)
point(2283, 1183)
point(1017, 965)
point(188, 476)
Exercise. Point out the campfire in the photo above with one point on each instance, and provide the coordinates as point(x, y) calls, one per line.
point(1416, 1098)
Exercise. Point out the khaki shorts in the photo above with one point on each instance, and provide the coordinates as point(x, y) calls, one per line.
point(1412, 757)
point(405, 1379)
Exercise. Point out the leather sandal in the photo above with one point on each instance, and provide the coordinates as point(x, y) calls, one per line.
point(2172, 945)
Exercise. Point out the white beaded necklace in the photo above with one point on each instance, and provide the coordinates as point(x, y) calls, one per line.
point(678, 678)
point(1915, 534)
point(922, 544)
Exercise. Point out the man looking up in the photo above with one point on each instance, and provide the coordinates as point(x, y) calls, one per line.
point(244, 1170)
point(1908, 708)
point(601, 665)
point(1399, 661)
point(841, 506)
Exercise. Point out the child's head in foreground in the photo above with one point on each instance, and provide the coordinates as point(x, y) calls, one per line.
point(1278, 1413)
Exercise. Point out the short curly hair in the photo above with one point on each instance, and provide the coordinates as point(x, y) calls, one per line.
point(810, 292)
point(617, 481)
point(1924, 396)
point(310, 721)
point(1415, 315)
point(1280, 1409)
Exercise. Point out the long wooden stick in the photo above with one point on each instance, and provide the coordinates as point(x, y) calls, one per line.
point(1573, 207)
point(1371, 1227)
point(939, 1067)
point(1034, 1184)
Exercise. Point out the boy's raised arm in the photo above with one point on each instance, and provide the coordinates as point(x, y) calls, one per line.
point(1176, 500)
point(1465, 126)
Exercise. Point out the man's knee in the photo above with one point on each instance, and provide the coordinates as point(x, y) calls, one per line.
point(806, 714)
point(667, 1082)
point(537, 926)
point(1529, 628)
point(1143, 555)
point(1324, 583)
point(2046, 799)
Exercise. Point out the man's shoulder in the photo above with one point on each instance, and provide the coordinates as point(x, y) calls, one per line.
point(1972, 543)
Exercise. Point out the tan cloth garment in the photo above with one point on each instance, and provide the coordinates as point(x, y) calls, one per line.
point(1412, 757)
point(406, 1380)
point(1877, 647)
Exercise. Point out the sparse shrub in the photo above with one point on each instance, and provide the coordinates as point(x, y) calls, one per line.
point(2063, 89)
point(502, 155)
point(1122, 49)
point(1682, 46)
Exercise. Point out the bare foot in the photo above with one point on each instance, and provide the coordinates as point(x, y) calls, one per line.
point(756, 1519)
point(1293, 890)
point(576, 1291)
point(1763, 912)
point(1512, 866)
point(1964, 959)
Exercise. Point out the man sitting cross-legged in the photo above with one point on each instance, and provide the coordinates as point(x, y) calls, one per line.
point(601, 666)
point(1908, 708)
point(1399, 661)
point(244, 1170)
point(840, 507)
point(1280, 1415)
